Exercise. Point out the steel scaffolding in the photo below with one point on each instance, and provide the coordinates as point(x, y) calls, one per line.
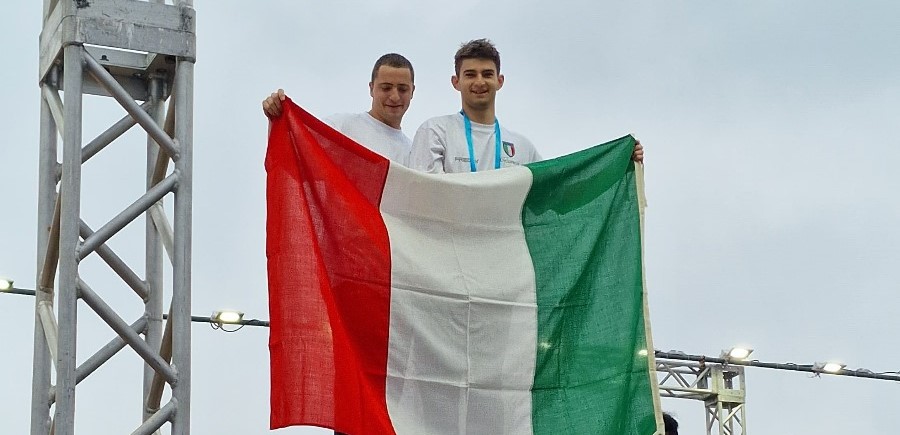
point(721, 388)
point(140, 53)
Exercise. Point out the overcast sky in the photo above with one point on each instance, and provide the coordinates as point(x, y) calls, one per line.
point(771, 135)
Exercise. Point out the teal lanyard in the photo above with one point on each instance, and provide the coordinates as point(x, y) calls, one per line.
point(497, 142)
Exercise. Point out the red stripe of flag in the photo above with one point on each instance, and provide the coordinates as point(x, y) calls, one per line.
point(329, 278)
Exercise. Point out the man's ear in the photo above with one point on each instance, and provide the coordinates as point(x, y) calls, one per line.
point(500, 80)
point(372, 89)
point(454, 80)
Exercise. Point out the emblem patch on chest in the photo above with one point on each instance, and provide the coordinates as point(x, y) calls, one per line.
point(509, 148)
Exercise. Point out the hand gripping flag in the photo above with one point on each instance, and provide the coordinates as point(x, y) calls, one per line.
point(498, 302)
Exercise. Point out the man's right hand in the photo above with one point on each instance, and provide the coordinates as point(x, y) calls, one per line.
point(272, 105)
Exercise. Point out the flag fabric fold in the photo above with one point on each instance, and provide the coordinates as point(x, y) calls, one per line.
point(503, 302)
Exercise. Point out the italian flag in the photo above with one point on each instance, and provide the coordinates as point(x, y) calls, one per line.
point(499, 302)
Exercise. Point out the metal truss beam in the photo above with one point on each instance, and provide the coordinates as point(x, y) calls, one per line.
point(721, 388)
point(141, 53)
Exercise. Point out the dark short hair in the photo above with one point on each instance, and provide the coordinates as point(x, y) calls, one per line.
point(393, 60)
point(477, 49)
point(671, 424)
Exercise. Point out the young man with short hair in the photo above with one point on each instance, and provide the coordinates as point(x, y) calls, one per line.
point(391, 89)
point(473, 139)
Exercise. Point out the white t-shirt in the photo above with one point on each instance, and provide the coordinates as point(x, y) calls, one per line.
point(440, 146)
point(373, 134)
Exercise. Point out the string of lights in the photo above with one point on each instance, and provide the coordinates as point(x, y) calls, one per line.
point(734, 356)
point(816, 368)
point(216, 322)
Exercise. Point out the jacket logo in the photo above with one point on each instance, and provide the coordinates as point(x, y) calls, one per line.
point(509, 149)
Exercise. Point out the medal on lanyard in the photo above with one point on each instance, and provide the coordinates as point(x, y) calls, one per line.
point(497, 142)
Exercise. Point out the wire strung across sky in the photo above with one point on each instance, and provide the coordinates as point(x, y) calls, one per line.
point(809, 368)
point(671, 355)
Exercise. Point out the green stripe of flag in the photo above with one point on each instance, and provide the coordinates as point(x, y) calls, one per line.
point(582, 226)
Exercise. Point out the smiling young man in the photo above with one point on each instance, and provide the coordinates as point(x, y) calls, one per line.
point(473, 139)
point(391, 89)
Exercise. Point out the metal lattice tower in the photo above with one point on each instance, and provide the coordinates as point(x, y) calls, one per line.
point(720, 387)
point(140, 53)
